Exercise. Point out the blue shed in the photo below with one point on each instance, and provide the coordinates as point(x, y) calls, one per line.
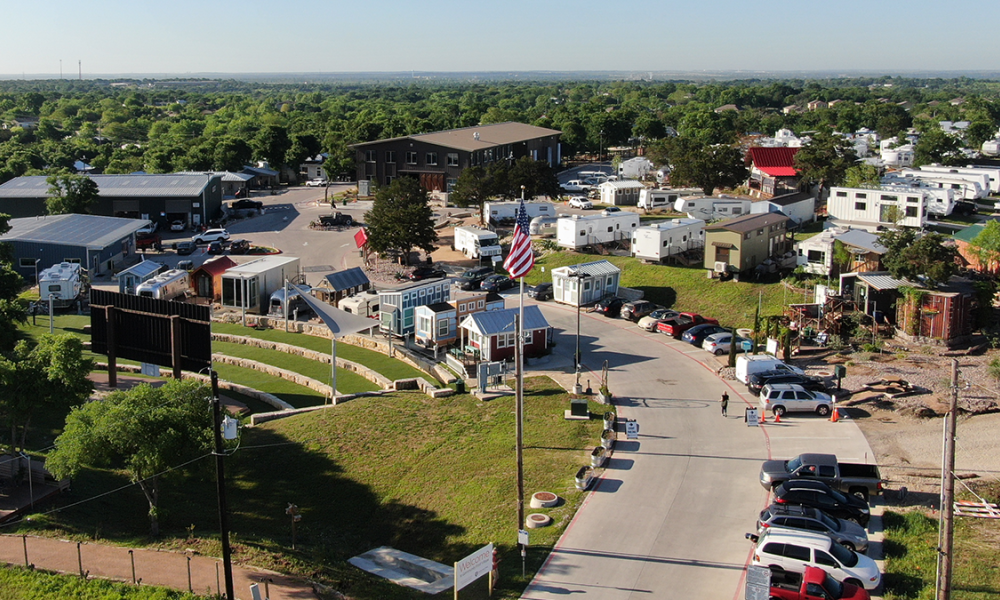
point(136, 274)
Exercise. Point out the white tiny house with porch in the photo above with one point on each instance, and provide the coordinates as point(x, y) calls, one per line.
point(586, 283)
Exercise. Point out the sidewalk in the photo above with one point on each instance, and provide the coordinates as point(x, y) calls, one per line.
point(152, 567)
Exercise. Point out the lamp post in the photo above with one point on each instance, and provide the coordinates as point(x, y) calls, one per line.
point(577, 389)
point(600, 148)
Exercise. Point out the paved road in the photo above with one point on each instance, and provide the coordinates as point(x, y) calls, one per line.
point(668, 517)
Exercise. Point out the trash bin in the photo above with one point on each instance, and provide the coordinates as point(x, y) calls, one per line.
point(460, 386)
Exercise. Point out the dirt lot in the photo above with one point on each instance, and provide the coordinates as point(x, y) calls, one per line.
point(906, 432)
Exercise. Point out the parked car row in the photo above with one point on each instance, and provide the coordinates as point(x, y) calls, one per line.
point(811, 527)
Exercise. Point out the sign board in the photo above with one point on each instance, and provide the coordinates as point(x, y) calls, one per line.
point(747, 345)
point(758, 586)
point(473, 566)
point(752, 417)
point(632, 430)
point(150, 370)
point(772, 347)
point(522, 537)
point(496, 259)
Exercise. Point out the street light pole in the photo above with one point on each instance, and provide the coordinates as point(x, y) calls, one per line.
point(579, 301)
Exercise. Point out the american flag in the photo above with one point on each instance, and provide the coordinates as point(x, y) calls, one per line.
point(521, 258)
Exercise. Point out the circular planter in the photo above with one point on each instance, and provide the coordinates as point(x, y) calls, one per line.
point(534, 521)
point(599, 456)
point(544, 500)
point(610, 419)
point(608, 439)
point(583, 477)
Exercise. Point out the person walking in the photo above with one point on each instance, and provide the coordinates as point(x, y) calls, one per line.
point(725, 403)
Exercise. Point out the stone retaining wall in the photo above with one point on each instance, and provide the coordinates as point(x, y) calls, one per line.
point(309, 382)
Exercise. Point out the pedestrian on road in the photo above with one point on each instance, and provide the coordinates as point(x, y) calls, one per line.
point(725, 403)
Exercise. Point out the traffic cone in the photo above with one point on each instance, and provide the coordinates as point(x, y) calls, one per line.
point(763, 417)
point(777, 418)
point(834, 417)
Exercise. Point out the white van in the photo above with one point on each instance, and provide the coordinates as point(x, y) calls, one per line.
point(747, 365)
point(793, 551)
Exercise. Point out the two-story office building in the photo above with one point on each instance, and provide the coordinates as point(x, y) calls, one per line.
point(438, 158)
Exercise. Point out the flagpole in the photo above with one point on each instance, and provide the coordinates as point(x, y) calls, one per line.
point(519, 408)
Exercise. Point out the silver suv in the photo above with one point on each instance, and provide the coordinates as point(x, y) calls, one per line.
point(780, 398)
point(212, 235)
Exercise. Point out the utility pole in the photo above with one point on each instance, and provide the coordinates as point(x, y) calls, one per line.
point(948, 494)
point(220, 480)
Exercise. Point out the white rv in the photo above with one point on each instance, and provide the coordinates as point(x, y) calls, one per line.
point(576, 231)
point(652, 199)
point(972, 187)
point(987, 176)
point(476, 242)
point(500, 212)
point(363, 304)
point(939, 201)
point(63, 284)
point(165, 286)
point(544, 226)
point(634, 168)
point(662, 240)
point(713, 209)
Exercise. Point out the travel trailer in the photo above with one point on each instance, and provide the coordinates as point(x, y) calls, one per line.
point(64, 284)
point(506, 212)
point(544, 226)
point(711, 208)
point(166, 286)
point(577, 231)
point(295, 301)
point(364, 304)
point(662, 240)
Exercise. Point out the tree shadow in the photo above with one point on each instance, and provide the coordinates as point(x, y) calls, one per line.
point(276, 218)
point(664, 296)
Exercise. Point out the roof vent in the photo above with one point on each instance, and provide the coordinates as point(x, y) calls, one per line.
point(475, 135)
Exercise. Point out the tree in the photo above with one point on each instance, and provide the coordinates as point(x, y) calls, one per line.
point(862, 176)
point(935, 146)
point(537, 177)
point(401, 219)
point(825, 160)
point(272, 144)
point(703, 166)
point(925, 259)
point(472, 189)
point(71, 194)
point(144, 431)
point(986, 247)
point(52, 373)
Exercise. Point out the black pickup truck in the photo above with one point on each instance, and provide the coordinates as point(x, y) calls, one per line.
point(852, 478)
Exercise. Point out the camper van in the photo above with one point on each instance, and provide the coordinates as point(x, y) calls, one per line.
point(544, 226)
point(166, 286)
point(64, 283)
point(476, 242)
point(364, 304)
point(295, 301)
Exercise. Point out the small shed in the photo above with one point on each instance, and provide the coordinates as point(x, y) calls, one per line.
point(129, 278)
point(492, 334)
point(585, 283)
point(206, 280)
point(339, 285)
point(620, 193)
point(249, 286)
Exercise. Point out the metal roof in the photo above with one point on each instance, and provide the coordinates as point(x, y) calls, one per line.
point(216, 266)
point(143, 268)
point(492, 322)
point(776, 162)
point(859, 238)
point(969, 233)
point(673, 224)
point(489, 136)
point(596, 268)
point(749, 222)
point(344, 280)
point(261, 265)
point(226, 175)
point(116, 186)
point(260, 171)
point(622, 185)
point(883, 281)
point(793, 198)
point(92, 231)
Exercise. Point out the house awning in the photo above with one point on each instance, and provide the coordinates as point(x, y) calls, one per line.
point(726, 245)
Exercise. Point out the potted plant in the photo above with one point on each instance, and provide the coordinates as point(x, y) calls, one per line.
point(598, 456)
point(604, 395)
point(608, 438)
point(610, 418)
point(583, 478)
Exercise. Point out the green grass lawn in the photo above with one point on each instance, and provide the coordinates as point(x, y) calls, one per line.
point(911, 557)
point(682, 288)
point(435, 477)
point(808, 230)
point(348, 382)
point(378, 362)
point(292, 393)
point(18, 583)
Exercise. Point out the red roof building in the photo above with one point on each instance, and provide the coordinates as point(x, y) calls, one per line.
point(772, 171)
point(206, 280)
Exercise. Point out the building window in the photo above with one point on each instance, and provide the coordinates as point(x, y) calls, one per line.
point(860, 206)
point(912, 199)
point(841, 194)
point(890, 198)
point(390, 156)
point(610, 229)
point(817, 257)
point(860, 195)
point(746, 235)
point(411, 158)
point(443, 328)
point(452, 182)
point(481, 303)
point(452, 158)
point(432, 158)
point(388, 180)
point(369, 156)
point(760, 232)
point(911, 211)
point(25, 263)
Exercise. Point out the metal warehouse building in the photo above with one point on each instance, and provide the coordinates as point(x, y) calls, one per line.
point(100, 244)
point(194, 198)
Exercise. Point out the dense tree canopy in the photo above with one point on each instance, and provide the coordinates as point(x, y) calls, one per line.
point(825, 160)
point(919, 258)
point(70, 194)
point(401, 219)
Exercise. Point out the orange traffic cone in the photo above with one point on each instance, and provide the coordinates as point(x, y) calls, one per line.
point(777, 417)
point(834, 417)
point(763, 417)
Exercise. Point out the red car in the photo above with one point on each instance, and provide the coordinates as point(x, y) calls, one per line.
point(814, 584)
point(676, 326)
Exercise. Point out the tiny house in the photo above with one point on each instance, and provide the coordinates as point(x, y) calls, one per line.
point(576, 232)
point(662, 240)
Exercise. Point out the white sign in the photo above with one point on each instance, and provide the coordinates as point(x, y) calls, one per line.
point(473, 566)
point(150, 370)
point(632, 430)
point(522, 537)
point(752, 417)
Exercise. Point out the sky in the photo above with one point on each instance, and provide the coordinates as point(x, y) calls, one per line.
point(114, 37)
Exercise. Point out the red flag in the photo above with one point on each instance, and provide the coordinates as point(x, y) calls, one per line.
point(521, 258)
point(361, 238)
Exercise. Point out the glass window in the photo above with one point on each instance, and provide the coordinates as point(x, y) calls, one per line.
point(411, 158)
point(911, 211)
point(797, 552)
point(432, 158)
point(817, 257)
point(803, 396)
point(26, 262)
point(774, 549)
point(390, 156)
point(860, 195)
point(452, 158)
point(822, 558)
point(443, 328)
point(369, 156)
point(841, 194)
point(481, 303)
point(860, 206)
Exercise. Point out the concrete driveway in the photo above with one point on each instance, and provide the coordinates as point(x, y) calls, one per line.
point(668, 517)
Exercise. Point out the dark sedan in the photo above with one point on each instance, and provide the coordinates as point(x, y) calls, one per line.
point(542, 291)
point(248, 204)
point(610, 307)
point(816, 494)
point(697, 334)
point(756, 381)
point(496, 283)
point(215, 248)
point(422, 273)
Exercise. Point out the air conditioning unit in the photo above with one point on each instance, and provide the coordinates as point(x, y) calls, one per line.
point(721, 266)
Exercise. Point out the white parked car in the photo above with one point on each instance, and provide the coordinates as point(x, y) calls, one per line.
point(574, 185)
point(317, 182)
point(148, 229)
point(580, 202)
point(212, 235)
point(793, 551)
point(178, 226)
point(719, 343)
point(649, 321)
point(780, 398)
